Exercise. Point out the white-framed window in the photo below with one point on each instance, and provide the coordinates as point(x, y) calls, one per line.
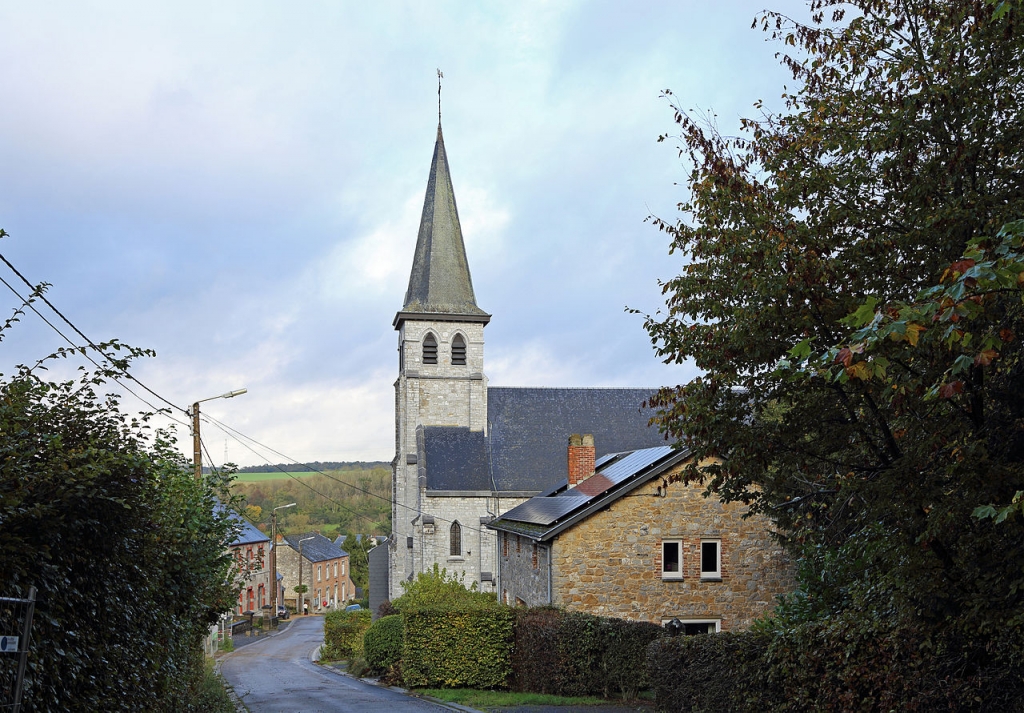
point(335, 569)
point(710, 559)
point(319, 572)
point(671, 559)
point(690, 627)
point(343, 568)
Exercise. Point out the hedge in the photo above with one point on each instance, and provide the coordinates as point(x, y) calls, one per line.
point(463, 646)
point(845, 664)
point(382, 643)
point(343, 634)
point(576, 654)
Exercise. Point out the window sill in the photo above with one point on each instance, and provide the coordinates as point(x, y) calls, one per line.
point(456, 559)
point(711, 579)
point(672, 577)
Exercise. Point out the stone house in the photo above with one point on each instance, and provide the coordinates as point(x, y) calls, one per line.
point(465, 451)
point(251, 550)
point(325, 572)
point(625, 537)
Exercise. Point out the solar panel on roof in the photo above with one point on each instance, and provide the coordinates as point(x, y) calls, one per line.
point(634, 463)
point(545, 511)
point(606, 458)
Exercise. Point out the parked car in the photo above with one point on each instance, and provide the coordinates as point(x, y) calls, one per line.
point(353, 607)
point(282, 612)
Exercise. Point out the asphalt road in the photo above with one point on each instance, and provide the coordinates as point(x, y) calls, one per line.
point(275, 675)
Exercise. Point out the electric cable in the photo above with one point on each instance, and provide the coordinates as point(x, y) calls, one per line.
point(82, 335)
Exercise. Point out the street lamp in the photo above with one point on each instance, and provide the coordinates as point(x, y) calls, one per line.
point(301, 593)
point(273, 556)
point(197, 447)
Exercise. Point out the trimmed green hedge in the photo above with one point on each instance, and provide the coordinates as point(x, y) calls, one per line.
point(843, 664)
point(343, 634)
point(382, 643)
point(464, 646)
point(576, 654)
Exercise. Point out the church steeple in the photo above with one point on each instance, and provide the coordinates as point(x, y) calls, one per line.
point(440, 286)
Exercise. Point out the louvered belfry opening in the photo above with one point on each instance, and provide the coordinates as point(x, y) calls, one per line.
point(429, 349)
point(458, 351)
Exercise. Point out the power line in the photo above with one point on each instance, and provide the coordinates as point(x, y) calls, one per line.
point(81, 350)
point(232, 432)
point(299, 480)
point(67, 321)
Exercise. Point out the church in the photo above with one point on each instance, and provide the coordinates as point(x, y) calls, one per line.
point(467, 452)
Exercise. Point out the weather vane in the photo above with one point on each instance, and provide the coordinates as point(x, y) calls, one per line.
point(440, 76)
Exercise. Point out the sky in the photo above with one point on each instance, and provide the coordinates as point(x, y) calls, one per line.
point(237, 186)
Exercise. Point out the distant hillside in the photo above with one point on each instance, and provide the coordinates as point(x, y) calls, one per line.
point(311, 467)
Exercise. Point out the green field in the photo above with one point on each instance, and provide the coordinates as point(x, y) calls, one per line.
point(272, 475)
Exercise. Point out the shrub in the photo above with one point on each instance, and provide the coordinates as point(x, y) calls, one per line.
point(624, 653)
point(382, 644)
point(846, 663)
point(124, 546)
point(343, 634)
point(439, 588)
point(467, 645)
point(576, 654)
point(535, 655)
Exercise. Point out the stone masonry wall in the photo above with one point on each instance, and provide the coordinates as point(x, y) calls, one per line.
point(610, 563)
point(524, 570)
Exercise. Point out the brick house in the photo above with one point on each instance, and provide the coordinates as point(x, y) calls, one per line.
point(251, 550)
point(624, 537)
point(325, 571)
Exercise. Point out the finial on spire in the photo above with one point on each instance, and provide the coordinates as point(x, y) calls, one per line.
point(440, 76)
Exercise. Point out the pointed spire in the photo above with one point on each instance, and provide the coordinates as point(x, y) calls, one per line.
point(440, 283)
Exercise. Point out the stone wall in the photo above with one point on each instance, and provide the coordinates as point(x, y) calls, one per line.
point(610, 563)
point(523, 578)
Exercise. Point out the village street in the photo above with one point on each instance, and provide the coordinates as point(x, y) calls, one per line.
point(276, 674)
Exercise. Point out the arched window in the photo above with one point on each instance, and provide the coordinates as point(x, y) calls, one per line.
point(455, 549)
point(459, 351)
point(429, 349)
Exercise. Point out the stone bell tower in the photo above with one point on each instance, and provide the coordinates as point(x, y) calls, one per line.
point(441, 378)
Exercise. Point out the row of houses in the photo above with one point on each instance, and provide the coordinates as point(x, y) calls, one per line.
point(308, 558)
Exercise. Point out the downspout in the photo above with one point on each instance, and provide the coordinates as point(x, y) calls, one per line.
point(551, 557)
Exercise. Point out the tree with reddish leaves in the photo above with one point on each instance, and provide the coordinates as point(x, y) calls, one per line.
point(852, 292)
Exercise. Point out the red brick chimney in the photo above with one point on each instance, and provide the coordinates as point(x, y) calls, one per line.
point(581, 457)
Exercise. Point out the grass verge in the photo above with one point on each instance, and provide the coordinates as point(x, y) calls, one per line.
point(494, 699)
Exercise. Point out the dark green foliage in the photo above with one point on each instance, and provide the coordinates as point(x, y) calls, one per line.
point(383, 642)
point(343, 634)
point(122, 543)
point(438, 587)
point(576, 654)
point(710, 673)
point(536, 656)
point(465, 645)
point(358, 563)
point(624, 650)
point(844, 664)
point(852, 294)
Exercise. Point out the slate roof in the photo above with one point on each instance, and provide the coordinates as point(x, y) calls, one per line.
point(318, 549)
point(245, 532)
point(545, 516)
point(440, 282)
point(528, 435)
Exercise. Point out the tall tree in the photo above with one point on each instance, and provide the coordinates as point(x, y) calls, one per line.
point(834, 254)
